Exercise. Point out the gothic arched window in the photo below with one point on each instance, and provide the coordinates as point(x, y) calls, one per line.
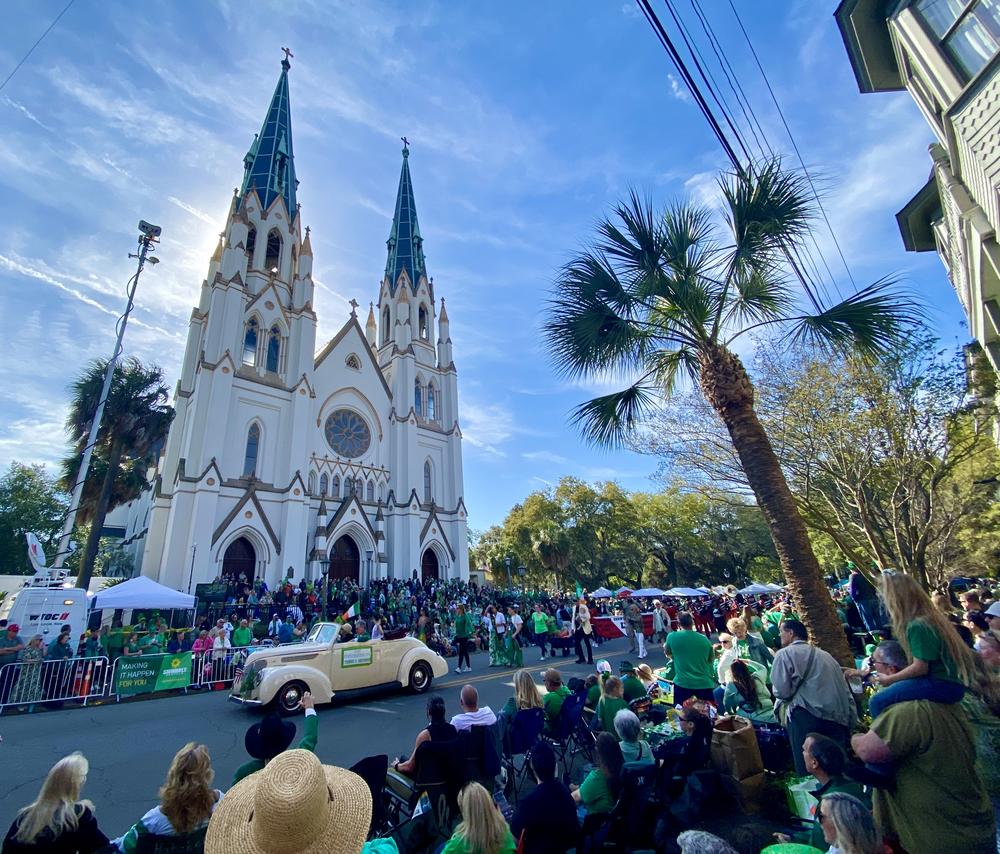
point(273, 349)
point(385, 325)
point(418, 398)
point(335, 486)
point(272, 259)
point(427, 482)
point(431, 404)
point(253, 446)
point(251, 245)
point(371, 492)
point(250, 342)
point(422, 325)
point(353, 362)
point(348, 487)
point(324, 484)
point(312, 483)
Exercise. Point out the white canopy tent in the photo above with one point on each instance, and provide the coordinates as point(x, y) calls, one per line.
point(143, 592)
point(601, 593)
point(756, 588)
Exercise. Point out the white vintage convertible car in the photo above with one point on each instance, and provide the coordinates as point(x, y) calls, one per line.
point(282, 674)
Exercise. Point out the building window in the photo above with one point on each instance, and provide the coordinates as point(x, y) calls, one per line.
point(273, 349)
point(250, 342)
point(312, 483)
point(251, 245)
point(427, 482)
point(324, 484)
point(348, 487)
point(371, 492)
point(422, 323)
point(385, 325)
point(431, 404)
point(418, 395)
point(335, 486)
point(253, 445)
point(272, 260)
point(353, 362)
point(968, 31)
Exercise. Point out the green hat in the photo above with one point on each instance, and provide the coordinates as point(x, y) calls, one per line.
point(626, 667)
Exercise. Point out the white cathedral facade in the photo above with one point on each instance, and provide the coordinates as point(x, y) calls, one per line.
point(285, 462)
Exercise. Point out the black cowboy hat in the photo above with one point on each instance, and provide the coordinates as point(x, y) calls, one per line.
point(270, 737)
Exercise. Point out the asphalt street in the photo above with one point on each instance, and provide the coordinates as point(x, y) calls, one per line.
point(130, 745)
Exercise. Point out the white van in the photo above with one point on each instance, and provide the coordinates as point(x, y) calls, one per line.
point(44, 608)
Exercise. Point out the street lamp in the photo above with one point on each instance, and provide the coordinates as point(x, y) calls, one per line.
point(521, 570)
point(507, 561)
point(368, 567)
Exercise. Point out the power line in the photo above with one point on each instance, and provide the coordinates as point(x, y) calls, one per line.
point(795, 146)
point(38, 41)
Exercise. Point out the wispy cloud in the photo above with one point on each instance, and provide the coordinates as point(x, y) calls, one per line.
point(544, 457)
point(678, 90)
point(191, 209)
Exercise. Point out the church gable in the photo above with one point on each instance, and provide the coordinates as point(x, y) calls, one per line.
point(347, 360)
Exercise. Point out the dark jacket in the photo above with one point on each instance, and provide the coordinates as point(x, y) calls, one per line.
point(548, 817)
point(86, 839)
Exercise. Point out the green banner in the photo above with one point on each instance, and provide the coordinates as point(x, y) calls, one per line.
point(142, 674)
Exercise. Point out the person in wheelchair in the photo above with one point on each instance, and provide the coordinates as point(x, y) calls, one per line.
point(403, 773)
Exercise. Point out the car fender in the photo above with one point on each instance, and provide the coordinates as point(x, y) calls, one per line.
point(316, 681)
point(439, 667)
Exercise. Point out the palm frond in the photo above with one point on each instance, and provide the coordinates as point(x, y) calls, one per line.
point(668, 365)
point(608, 420)
point(637, 250)
point(759, 294)
point(871, 322)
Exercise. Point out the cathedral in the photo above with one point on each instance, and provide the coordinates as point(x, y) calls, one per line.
point(288, 462)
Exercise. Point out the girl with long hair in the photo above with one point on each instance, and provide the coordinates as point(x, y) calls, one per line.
point(58, 821)
point(600, 788)
point(483, 829)
point(187, 799)
point(941, 666)
point(526, 695)
point(611, 703)
point(747, 694)
point(848, 825)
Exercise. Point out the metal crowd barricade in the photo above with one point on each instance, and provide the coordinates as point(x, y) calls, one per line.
point(32, 683)
point(209, 668)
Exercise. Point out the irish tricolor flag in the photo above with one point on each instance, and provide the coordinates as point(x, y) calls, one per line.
point(352, 613)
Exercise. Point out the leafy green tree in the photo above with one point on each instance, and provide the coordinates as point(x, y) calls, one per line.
point(30, 500)
point(136, 420)
point(661, 297)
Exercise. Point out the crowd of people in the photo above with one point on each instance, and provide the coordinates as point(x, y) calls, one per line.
point(922, 776)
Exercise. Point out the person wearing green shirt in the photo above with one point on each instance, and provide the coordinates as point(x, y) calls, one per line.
point(242, 636)
point(463, 634)
point(60, 649)
point(552, 702)
point(483, 829)
point(152, 643)
point(540, 626)
point(610, 704)
point(693, 658)
point(632, 688)
point(273, 735)
point(598, 791)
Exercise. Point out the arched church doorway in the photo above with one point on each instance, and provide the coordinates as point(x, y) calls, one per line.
point(429, 565)
point(345, 560)
point(239, 562)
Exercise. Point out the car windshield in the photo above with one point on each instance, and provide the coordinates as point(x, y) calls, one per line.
point(322, 633)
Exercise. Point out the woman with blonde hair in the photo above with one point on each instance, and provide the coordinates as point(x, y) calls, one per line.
point(941, 666)
point(483, 830)
point(187, 799)
point(526, 695)
point(848, 826)
point(58, 821)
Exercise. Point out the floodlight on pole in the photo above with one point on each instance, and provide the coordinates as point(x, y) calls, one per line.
point(149, 235)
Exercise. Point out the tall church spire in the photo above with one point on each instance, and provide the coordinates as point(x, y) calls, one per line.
point(270, 164)
point(406, 246)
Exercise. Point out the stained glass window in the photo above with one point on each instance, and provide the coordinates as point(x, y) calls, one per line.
point(347, 433)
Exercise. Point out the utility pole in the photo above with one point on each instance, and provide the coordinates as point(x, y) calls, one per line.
point(149, 235)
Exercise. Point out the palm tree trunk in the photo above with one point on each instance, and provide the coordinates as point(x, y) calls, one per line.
point(726, 385)
point(100, 513)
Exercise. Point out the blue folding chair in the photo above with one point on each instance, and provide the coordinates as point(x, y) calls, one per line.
point(525, 729)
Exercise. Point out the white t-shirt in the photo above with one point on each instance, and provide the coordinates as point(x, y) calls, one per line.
point(516, 621)
point(501, 624)
point(483, 716)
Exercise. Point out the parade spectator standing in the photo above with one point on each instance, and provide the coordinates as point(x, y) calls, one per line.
point(938, 801)
point(29, 680)
point(515, 655)
point(57, 822)
point(242, 636)
point(865, 598)
point(471, 714)
point(632, 687)
point(746, 645)
point(633, 623)
point(273, 735)
point(813, 692)
point(187, 800)
point(693, 658)
point(582, 631)
point(11, 645)
point(545, 819)
point(661, 622)
point(463, 634)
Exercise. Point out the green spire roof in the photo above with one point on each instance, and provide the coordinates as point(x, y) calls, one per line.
point(406, 246)
point(269, 164)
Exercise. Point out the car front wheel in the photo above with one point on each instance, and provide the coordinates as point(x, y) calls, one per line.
point(289, 697)
point(420, 677)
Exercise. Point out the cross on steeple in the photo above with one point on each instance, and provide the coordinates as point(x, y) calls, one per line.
point(288, 55)
point(406, 142)
point(354, 307)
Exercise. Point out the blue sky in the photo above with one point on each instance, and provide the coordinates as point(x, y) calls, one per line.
point(527, 122)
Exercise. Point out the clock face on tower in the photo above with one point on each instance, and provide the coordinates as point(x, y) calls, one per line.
point(347, 433)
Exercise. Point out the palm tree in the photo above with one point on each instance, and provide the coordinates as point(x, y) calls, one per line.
point(661, 297)
point(136, 420)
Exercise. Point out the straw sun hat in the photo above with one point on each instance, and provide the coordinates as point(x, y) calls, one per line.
point(294, 804)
